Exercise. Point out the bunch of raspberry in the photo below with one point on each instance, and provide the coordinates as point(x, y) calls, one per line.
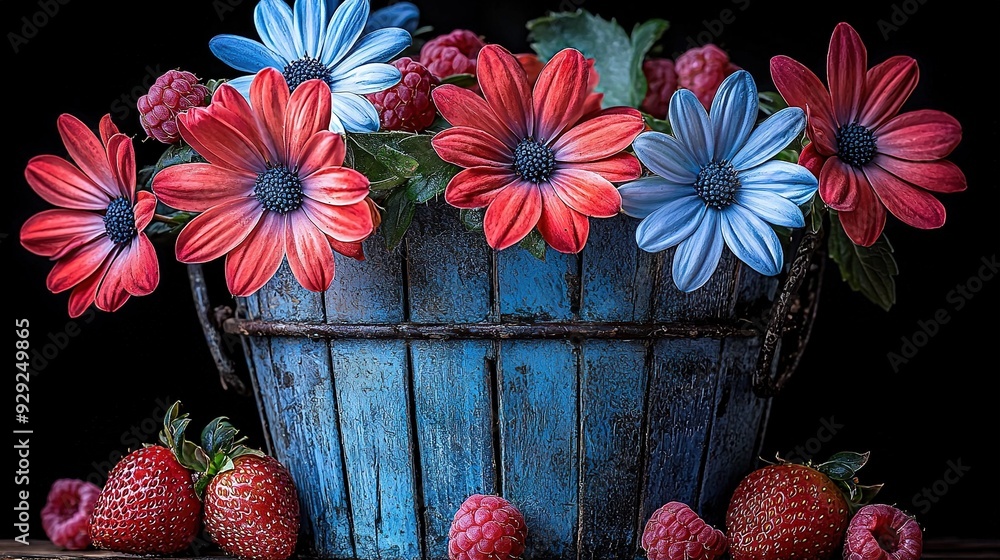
point(173, 93)
point(452, 53)
point(662, 80)
point(702, 70)
point(407, 105)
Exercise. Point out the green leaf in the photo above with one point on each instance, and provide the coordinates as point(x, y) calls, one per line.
point(432, 174)
point(396, 218)
point(175, 154)
point(472, 219)
point(617, 57)
point(836, 471)
point(401, 159)
point(868, 270)
point(814, 212)
point(850, 459)
point(788, 154)
point(770, 102)
point(659, 125)
point(460, 80)
point(534, 244)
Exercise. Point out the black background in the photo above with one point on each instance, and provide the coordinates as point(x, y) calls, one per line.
point(919, 420)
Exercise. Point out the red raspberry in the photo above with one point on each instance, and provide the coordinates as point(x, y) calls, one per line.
point(407, 105)
point(675, 532)
point(452, 53)
point(882, 532)
point(662, 79)
point(486, 527)
point(67, 511)
point(702, 69)
point(174, 92)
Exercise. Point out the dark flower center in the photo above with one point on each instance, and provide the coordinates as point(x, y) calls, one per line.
point(119, 221)
point(717, 184)
point(855, 144)
point(534, 162)
point(279, 190)
point(306, 68)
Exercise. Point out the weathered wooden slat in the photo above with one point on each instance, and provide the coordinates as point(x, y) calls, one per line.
point(371, 386)
point(449, 277)
point(296, 388)
point(617, 286)
point(711, 302)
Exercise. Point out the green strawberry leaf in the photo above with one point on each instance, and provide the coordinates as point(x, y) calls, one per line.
point(868, 270)
point(534, 244)
point(618, 57)
point(850, 459)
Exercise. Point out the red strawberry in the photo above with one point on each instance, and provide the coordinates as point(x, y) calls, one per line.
point(788, 510)
point(67, 511)
point(676, 532)
point(486, 527)
point(882, 532)
point(251, 504)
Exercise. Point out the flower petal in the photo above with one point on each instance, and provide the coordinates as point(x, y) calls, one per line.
point(512, 215)
point(559, 94)
point(381, 45)
point(308, 112)
point(366, 78)
point(349, 223)
point(60, 183)
point(644, 196)
point(52, 233)
point(913, 206)
point(600, 136)
point(269, 97)
point(346, 25)
point(76, 265)
point(231, 106)
point(505, 87)
point(771, 207)
point(461, 107)
point(698, 256)
point(325, 149)
point(783, 178)
point(310, 20)
point(770, 137)
point(196, 187)
point(586, 192)
point(255, 260)
point(354, 113)
point(144, 209)
point(337, 186)
point(617, 168)
point(839, 184)
point(111, 294)
point(309, 254)
point(354, 250)
point(691, 126)
point(121, 156)
point(751, 240)
point(938, 176)
point(83, 294)
point(563, 228)
point(398, 14)
point(919, 135)
point(733, 113)
point(864, 224)
point(674, 221)
point(87, 151)
point(471, 147)
point(846, 64)
point(217, 137)
point(667, 157)
point(889, 85)
point(217, 230)
point(142, 270)
point(244, 54)
point(801, 88)
point(477, 187)
point(107, 128)
point(274, 22)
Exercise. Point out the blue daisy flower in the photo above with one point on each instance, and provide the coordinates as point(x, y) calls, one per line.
point(318, 39)
point(715, 185)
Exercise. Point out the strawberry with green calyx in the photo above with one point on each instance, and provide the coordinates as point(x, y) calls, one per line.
point(148, 504)
point(793, 510)
point(251, 503)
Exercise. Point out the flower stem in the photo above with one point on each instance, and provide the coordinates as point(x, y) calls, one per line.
point(166, 220)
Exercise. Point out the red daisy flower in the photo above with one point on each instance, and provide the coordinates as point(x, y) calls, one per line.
point(273, 187)
point(528, 158)
point(96, 235)
point(869, 157)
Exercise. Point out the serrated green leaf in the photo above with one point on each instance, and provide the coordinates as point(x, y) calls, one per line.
point(534, 244)
point(396, 218)
point(618, 57)
point(868, 270)
point(472, 219)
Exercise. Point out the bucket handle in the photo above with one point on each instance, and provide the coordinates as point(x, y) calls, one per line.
point(792, 317)
point(211, 320)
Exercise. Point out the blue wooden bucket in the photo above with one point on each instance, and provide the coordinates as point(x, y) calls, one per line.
point(586, 389)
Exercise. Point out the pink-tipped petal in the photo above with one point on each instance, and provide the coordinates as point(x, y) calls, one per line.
point(512, 215)
point(121, 154)
point(324, 149)
point(51, 233)
point(563, 228)
point(269, 99)
point(85, 292)
point(846, 64)
point(560, 93)
point(111, 294)
point(217, 230)
point(309, 254)
point(338, 186)
point(87, 151)
point(60, 183)
point(349, 223)
point(919, 135)
point(477, 187)
point(195, 117)
point(607, 133)
point(839, 184)
point(888, 86)
point(308, 112)
point(196, 187)
point(940, 175)
point(107, 128)
point(801, 88)
point(76, 265)
point(213, 134)
point(230, 106)
point(354, 250)
point(865, 223)
point(142, 273)
point(505, 86)
point(587, 193)
point(462, 108)
point(144, 209)
point(617, 168)
point(253, 262)
point(913, 206)
point(471, 147)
